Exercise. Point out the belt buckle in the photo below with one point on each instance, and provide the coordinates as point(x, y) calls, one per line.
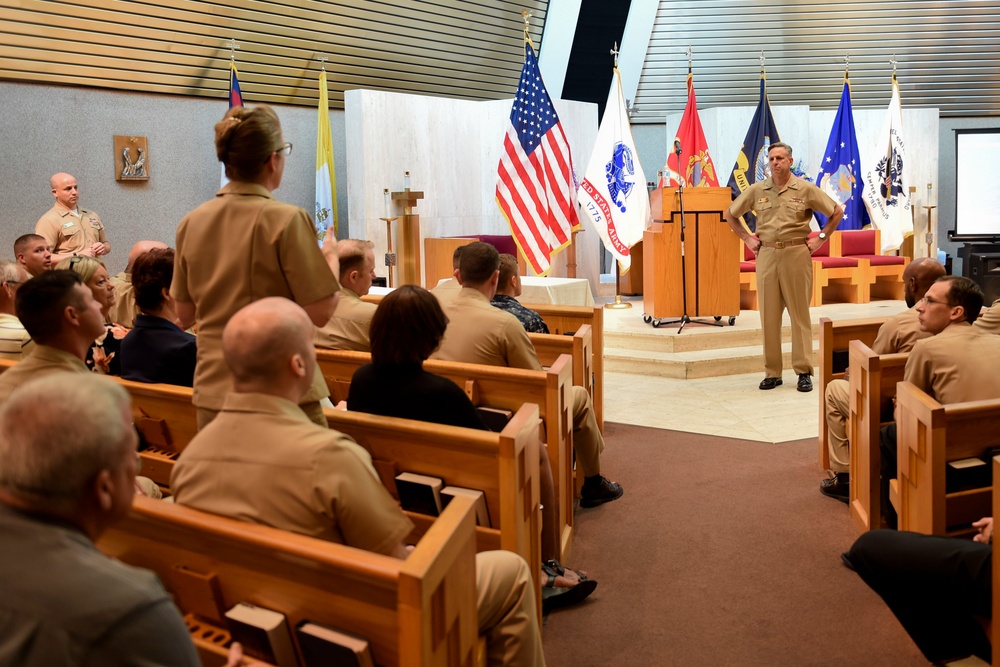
point(779, 245)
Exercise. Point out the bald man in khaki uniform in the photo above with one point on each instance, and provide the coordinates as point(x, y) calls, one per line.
point(70, 230)
point(898, 334)
point(327, 488)
point(348, 328)
point(784, 205)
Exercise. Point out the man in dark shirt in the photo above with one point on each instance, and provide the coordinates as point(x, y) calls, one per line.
point(509, 287)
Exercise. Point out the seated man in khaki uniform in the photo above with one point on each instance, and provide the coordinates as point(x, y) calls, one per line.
point(124, 310)
point(898, 334)
point(348, 328)
point(15, 341)
point(446, 290)
point(33, 253)
point(478, 333)
point(327, 487)
point(68, 229)
point(958, 363)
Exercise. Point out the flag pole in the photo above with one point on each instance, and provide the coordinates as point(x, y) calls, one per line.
point(617, 304)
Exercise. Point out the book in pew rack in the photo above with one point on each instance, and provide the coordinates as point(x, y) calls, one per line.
point(482, 513)
point(495, 419)
point(419, 493)
point(327, 647)
point(264, 634)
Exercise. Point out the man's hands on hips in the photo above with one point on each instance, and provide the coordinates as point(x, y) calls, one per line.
point(814, 243)
point(753, 243)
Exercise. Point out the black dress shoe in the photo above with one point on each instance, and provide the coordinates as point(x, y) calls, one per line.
point(805, 382)
point(837, 487)
point(598, 490)
point(770, 383)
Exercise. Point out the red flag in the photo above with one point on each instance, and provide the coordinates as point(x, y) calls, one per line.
point(696, 168)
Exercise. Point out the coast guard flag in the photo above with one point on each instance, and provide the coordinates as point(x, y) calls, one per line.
point(886, 193)
point(235, 100)
point(839, 172)
point(613, 192)
point(326, 178)
point(696, 169)
point(751, 163)
point(536, 188)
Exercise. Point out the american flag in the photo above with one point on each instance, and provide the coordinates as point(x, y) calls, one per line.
point(536, 189)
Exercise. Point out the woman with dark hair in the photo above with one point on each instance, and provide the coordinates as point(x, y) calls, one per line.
point(243, 246)
point(157, 350)
point(103, 355)
point(405, 330)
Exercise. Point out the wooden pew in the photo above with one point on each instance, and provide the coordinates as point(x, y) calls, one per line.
point(413, 612)
point(497, 387)
point(580, 347)
point(929, 435)
point(835, 337)
point(994, 626)
point(873, 380)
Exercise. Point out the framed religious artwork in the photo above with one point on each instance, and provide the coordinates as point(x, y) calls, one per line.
point(131, 158)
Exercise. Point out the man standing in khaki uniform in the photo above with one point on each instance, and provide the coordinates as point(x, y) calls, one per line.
point(68, 229)
point(898, 334)
point(784, 205)
point(348, 328)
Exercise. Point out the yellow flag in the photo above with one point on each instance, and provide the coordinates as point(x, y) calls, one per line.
point(326, 178)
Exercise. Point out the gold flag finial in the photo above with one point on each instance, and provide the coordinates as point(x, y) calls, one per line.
point(526, 15)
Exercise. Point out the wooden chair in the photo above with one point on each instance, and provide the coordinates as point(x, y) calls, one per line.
point(929, 435)
point(873, 380)
point(885, 272)
point(748, 280)
point(834, 339)
point(838, 279)
point(498, 387)
point(413, 612)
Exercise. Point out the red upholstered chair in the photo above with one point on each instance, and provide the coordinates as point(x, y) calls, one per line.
point(748, 280)
point(838, 279)
point(885, 273)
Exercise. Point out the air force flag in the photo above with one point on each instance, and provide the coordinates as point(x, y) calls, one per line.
point(839, 172)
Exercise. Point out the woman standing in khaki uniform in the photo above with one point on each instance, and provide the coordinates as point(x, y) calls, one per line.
point(243, 246)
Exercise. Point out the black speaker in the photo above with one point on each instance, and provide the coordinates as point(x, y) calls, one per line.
point(984, 269)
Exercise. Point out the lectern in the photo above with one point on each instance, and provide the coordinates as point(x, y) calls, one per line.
point(712, 262)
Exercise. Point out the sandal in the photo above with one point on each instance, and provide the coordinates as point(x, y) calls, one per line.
point(555, 598)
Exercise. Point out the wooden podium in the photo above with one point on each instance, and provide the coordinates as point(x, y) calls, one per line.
point(712, 262)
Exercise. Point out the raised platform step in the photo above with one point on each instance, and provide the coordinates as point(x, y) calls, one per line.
point(695, 364)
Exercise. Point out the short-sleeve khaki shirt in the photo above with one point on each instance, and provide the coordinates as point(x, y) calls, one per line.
point(783, 215)
point(66, 232)
point(348, 328)
point(478, 333)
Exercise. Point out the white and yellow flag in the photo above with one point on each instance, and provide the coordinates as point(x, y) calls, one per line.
point(613, 192)
point(886, 191)
point(326, 178)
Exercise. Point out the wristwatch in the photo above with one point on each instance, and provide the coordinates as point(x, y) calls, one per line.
point(822, 236)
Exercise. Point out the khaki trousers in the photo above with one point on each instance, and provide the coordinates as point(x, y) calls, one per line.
point(784, 281)
point(506, 601)
point(837, 409)
point(313, 409)
point(587, 439)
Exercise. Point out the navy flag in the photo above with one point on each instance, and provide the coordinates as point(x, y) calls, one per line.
point(839, 172)
point(751, 163)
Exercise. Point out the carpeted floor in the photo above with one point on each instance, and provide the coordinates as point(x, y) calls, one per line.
point(721, 552)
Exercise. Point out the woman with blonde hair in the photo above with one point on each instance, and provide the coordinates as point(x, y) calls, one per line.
point(242, 246)
point(103, 356)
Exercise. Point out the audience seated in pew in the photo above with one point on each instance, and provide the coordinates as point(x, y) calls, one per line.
point(898, 334)
point(481, 334)
point(33, 252)
point(157, 350)
point(406, 329)
point(989, 319)
point(508, 289)
point(103, 355)
point(958, 363)
point(63, 601)
point(327, 487)
point(15, 342)
point(124, 310)
point(348, 328)
point(446, 291)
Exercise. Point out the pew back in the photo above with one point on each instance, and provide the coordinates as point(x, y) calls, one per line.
point(580, 347)
point(421, 611)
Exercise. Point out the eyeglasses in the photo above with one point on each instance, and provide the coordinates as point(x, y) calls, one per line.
point(74, 260)
point(928, 300)
point(286, 149)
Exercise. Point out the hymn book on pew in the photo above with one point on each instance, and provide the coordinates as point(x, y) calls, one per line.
point(495, 419)
point(482, 514)
point(419, 493)
point(325, 647)
point(264, 634)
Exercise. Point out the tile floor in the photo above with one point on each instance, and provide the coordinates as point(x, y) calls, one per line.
point(730, 406)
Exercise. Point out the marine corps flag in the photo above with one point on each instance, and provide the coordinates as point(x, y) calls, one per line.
point(886, 193)
point(695, 169)
point(839, 172)
point(326, 178)
point(751, 163)
point(613, 192)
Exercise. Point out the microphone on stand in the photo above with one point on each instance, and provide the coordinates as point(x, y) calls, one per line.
point(677, 147)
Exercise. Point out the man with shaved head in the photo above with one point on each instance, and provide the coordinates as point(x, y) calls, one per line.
point(124, 310)
point(262, 460)
point(897, 334)
point(33, 253)
point(68, 229)
point(348, 328)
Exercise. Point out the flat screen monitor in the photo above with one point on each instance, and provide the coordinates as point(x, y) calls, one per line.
point(977, 190)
